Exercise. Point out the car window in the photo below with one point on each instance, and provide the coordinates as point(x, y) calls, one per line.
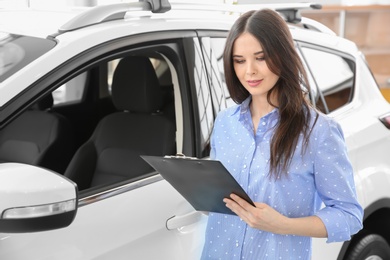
point(131, 121)
point(71, 91)
point(213, 54)
point(16, 51)
point(205, 104)
point(334, 77)
point(76, 90)
point(152, 132)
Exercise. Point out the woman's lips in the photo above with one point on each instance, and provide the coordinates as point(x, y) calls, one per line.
point(254, 83)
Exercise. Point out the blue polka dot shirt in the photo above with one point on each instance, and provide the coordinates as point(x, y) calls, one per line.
point(319, 182)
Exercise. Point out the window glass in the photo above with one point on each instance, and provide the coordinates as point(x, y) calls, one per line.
point(333, 76)
point(205, 106)
point(213, 53)
point(130, 120)
point(71, 91)
point(314, 94)
point(16, 51)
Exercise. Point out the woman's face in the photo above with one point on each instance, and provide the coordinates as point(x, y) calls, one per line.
point(250, 66)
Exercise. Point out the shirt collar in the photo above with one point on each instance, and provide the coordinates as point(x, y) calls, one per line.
point(243, 108)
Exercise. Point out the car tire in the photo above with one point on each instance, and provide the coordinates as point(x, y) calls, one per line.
point(368, 246)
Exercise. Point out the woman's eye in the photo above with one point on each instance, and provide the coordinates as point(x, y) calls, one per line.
point(260, 58)
point(239, 61)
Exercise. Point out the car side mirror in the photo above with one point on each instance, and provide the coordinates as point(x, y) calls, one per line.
point(35, 199)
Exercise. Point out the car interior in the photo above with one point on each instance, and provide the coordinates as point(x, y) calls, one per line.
point(39, 137)
point(98, 139)
point(139, 126)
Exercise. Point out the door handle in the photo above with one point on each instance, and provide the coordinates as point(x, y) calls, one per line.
point(176, 222)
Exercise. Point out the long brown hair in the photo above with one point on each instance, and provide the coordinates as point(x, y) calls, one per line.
point(272, 32)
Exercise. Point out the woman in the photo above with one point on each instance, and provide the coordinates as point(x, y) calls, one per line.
point(287, 156)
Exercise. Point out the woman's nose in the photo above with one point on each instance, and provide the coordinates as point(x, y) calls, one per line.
point(251, 69)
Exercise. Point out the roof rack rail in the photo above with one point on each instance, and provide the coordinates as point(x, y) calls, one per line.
point(104, 13)
point(309, 23)
point(289, 11)
point(111, 12)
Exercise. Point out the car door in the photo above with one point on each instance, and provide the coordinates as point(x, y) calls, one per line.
point(138, 218)
point(347, 92)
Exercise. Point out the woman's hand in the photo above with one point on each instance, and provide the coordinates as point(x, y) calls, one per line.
point(261, 217)
point(265, 218)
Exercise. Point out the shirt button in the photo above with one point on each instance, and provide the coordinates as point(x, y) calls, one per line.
point(244, 166)
point(263, 123)
point(236, 243)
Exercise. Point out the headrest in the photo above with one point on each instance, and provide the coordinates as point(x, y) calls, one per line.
point(44, 103)
point(135, 86)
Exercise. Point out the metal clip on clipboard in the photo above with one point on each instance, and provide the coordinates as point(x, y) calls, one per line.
point(180, 156)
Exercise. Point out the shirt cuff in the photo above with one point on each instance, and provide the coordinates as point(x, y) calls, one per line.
point(337, 227)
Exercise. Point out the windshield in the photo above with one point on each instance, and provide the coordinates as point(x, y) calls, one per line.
point(16, 51)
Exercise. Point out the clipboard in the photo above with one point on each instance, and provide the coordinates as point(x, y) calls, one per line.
point(203, 183)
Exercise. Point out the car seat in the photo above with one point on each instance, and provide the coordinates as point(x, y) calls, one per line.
point(38, 137)
point(113, 151)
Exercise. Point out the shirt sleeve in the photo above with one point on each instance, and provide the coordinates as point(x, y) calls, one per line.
point(334, 180)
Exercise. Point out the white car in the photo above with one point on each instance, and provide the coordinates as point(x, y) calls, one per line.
point(84, 93)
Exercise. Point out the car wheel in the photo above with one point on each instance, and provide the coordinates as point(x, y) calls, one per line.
point(369, 247)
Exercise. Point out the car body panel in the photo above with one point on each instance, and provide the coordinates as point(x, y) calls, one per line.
point(111, 229)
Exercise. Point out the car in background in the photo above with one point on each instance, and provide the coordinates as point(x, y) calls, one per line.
point(84, 93)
